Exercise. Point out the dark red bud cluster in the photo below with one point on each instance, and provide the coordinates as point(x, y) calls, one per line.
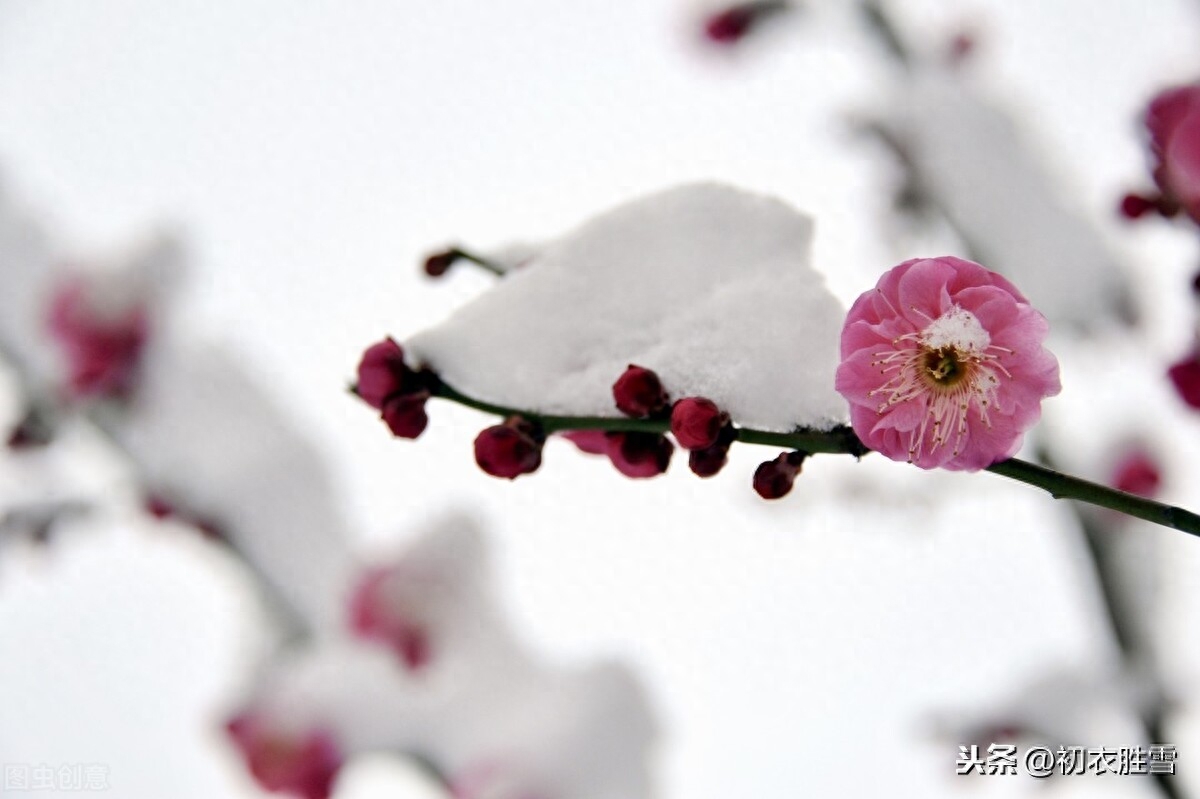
point(700, 426)
point(398, 392)
point(774, 479)
point(708, 461)
point(511, 449)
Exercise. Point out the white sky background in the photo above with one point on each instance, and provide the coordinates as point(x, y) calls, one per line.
point(312, 152)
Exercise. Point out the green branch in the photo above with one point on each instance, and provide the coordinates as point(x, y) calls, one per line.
point(842, 440)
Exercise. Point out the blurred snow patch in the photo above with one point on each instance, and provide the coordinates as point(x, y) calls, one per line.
point(968, 155)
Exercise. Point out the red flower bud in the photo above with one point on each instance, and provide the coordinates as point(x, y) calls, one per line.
point(509, 450)
point(1137, 473)
point(381, 373)
point(1135, 206)
point(639, 454)
point(696, 422)
point(733, 23)
point(405, 414)
point(439, 263)
point(639, 393)
point(1185, 375)
point(774, 479)
point(707, 462)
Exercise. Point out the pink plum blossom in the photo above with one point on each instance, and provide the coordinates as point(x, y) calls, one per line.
point(943, 365)
point(1173, 120)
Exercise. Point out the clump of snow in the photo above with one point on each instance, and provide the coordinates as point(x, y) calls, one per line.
point(969, 156)
point(709, 286)
point(957, 328)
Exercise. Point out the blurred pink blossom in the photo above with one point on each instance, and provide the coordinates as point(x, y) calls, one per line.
point(1173, 120)
point(943, 365)
point(302, 764)
point(102, 350)
point(1137, 472)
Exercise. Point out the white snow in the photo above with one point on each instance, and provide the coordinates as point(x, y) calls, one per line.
point(709, 286)
point(957, 328)
point(968, 154)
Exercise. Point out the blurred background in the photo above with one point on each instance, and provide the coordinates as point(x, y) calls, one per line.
point(308, 156)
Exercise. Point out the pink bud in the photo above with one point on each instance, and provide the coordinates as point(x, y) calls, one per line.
point(1185, 375)
point(696, 422)
point(639, 393)
point(774, 479)
point(439, 263)
point(639, 455)
point(509, 450)
point(405, 414)
point(381, 373)
point(302, 764)
point(1137, 473)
